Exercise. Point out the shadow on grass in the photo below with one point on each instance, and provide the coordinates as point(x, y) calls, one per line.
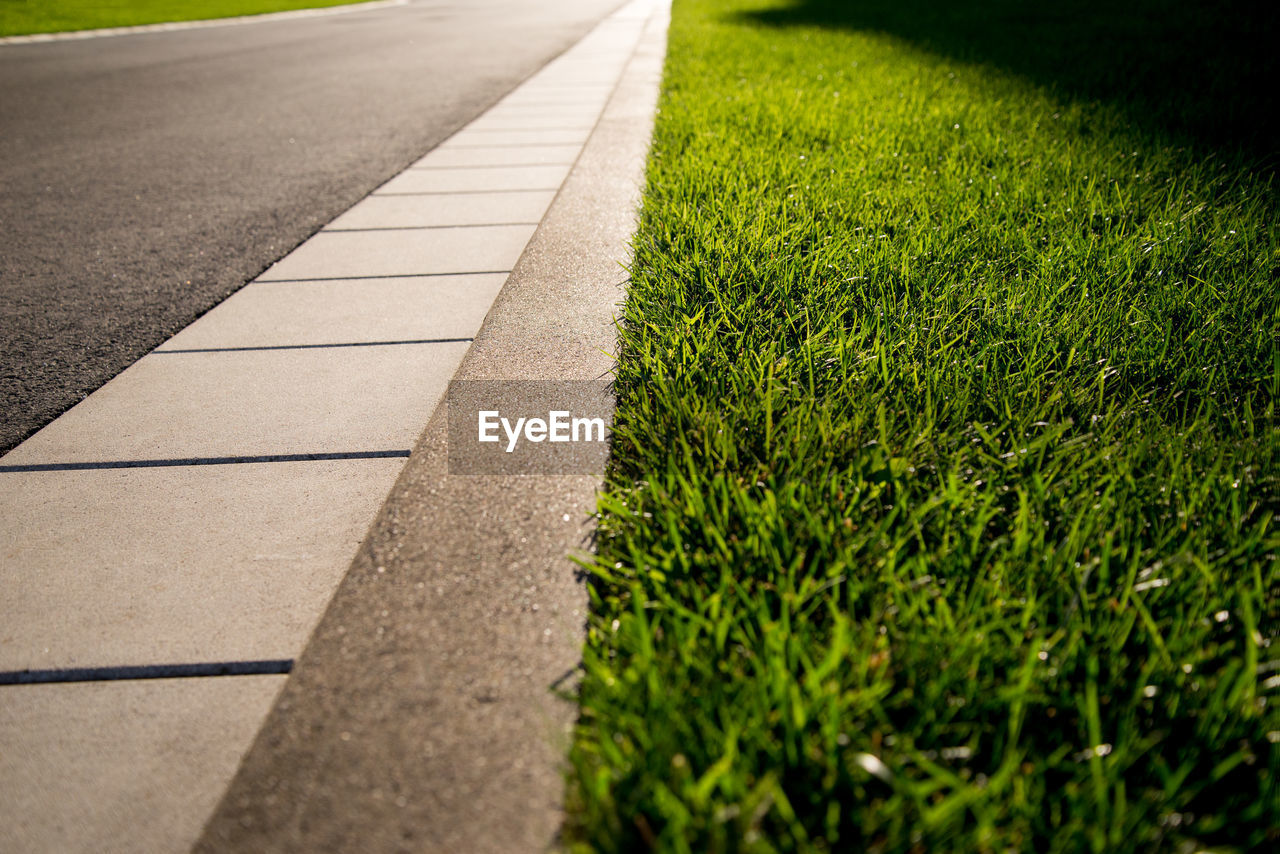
point(1199, 72)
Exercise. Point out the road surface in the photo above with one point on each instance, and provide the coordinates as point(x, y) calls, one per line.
point(146, 177)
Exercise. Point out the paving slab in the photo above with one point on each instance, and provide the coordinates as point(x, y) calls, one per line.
point(473, 138)
point(121, 767)
point(529, 155)
point(587, 110)
point(344, 255)
point(545, 96)
point(540, 121)
point(584, 107)
point(446, 210)
point(537, 87)
point(252, 403)
point(249, 587)
point(473, 179)
point(344, 311)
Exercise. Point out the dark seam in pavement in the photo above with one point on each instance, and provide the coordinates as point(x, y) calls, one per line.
point(146, 671)
point(472, 192)
point(488, 166)
point(315, 346)
point(535, 110)
point(566, 676)
point(528, 130)
point(203, 461)
point(540, 107)
point(499, 145)
point(568, 87)
point(423, 227)
point(390, 276)
point(446, 146)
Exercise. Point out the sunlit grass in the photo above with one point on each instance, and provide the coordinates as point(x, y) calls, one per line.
point(945, 487)
point(22, 17)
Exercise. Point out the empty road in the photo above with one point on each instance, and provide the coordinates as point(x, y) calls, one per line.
point(144, 178)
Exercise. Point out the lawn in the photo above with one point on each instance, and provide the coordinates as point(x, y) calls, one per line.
point(942, 513)
point(22, 17)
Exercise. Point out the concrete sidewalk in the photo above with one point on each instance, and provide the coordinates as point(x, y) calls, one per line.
point(194, 517)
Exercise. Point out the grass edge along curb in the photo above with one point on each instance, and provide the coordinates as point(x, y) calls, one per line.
point(942, 511)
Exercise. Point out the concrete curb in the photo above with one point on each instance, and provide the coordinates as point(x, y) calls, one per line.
point(421, 715)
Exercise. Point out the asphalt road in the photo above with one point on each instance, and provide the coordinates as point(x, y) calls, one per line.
point(144, 178)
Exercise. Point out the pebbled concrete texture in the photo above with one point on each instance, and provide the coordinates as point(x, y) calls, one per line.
point(236, 578)
point(421, 715)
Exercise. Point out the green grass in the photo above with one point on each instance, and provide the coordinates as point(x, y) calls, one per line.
point(943, 506)
point(23, 17)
